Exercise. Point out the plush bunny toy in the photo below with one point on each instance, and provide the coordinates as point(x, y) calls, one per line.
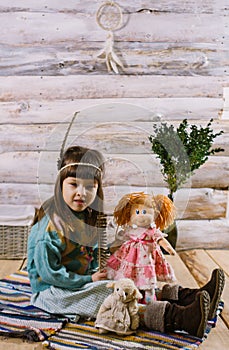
point(119, 311)
point(136, 250)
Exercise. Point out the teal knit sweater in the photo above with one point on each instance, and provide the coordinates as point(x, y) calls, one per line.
point(55, 260)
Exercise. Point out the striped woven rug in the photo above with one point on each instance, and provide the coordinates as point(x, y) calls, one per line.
point(17, 315)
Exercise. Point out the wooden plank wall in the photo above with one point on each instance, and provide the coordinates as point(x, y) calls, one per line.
point(175, 57)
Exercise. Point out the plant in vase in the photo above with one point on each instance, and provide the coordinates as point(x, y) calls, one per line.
point(181, 151)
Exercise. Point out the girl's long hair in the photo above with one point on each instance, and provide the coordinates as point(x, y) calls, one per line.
point(55, 207)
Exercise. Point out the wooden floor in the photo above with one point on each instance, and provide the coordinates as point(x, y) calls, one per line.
point(193, 268)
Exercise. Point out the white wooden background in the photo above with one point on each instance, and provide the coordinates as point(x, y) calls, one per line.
point(175, 56)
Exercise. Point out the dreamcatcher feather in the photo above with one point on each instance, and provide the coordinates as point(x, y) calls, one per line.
point(62, 149)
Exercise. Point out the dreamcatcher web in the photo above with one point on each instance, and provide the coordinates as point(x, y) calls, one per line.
point(109, 16)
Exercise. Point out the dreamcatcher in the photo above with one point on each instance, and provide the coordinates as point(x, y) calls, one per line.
point(109, 17)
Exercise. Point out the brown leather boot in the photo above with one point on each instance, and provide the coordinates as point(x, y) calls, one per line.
point(214, 288)
point(191, 318)
point(185, 296)
point(166, 317)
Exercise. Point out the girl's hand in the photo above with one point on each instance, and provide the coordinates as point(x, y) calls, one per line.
point(99, 276)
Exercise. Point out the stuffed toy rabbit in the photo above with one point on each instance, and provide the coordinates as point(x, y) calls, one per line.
point(119, 311)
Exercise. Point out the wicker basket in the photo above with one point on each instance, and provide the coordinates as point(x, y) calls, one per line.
point(15, 224)
point(13, 241)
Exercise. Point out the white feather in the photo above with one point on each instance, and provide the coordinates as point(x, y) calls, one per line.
point(108, 54)
point(116, 59)
point(114, 66)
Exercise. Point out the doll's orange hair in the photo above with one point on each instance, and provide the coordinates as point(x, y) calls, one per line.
point(163, 207)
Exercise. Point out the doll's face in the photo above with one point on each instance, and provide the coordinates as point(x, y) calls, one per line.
point(141, 215)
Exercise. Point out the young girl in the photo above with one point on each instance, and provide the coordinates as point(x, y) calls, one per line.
point(62, 255)
point(62, 245)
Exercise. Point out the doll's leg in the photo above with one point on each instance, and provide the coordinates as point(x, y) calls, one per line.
point(185, 296)
point(148, 296)
point(164, 316)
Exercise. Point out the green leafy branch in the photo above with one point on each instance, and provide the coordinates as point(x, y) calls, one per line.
point(183, 150)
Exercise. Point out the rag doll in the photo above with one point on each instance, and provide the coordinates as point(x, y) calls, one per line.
point(137, 250)
point(119, 311)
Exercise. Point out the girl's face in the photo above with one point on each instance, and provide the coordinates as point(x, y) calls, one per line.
point(79, 193)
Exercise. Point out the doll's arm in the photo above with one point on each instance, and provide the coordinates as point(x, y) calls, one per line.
point(166, 245)
point(119, 240)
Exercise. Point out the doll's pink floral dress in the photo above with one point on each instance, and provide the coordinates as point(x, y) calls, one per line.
point(140, 258)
